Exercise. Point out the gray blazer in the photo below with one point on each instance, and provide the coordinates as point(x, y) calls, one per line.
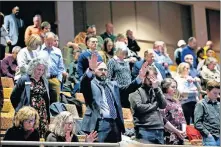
point(12, 24)
point(4, 36)
point(92, 92)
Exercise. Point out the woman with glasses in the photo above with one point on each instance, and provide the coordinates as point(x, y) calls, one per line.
point(188, 89)
point(173, 113)
point(26, 122)
point(32, 90)
point(62, 129)
point(108, 51)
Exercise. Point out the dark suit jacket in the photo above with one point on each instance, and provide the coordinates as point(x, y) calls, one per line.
point(132, 45)
point(91, 90)
point(137, 66)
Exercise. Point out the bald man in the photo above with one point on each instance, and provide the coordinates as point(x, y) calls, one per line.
point(56, 68)
point(109, 32)
point(103, 100)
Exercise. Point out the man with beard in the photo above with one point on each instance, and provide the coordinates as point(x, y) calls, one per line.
point(102, 97)
point(12, 24)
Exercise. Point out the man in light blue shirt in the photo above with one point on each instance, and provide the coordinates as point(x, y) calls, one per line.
point(53, 56)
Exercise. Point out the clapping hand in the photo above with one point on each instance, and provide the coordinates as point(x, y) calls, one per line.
point(91, 137)
point(143, 71)
point(68, 137)
point(181, 134)
point(93, 62)
point(154, 81)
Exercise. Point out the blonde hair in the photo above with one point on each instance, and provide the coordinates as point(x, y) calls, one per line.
point(181, 67)
point(25, 113)
point(210, 60)
point(33, 39)
point(57, 126)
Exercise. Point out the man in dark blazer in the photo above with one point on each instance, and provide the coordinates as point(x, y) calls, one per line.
point(149, 58)
point(12, 24)
point(102, 97)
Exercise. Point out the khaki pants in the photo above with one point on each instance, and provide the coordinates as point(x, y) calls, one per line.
point(54, 90)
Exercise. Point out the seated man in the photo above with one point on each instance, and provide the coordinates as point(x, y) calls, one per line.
point(149, 58)
point(9, 63)
point(145, 105)
point(207, 115)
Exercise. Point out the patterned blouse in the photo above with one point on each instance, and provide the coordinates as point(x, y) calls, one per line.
point(38, 92)
point(174, 114)
point(119, 71)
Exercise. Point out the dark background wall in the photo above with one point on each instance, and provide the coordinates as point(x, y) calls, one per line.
point(28, 9)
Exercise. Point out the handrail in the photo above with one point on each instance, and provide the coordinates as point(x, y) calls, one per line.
point(38, 143)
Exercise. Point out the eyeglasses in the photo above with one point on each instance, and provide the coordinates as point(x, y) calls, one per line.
point(29, 121)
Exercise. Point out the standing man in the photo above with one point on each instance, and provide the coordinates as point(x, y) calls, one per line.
point(207, 115)
point(12, 24)
point(35, 28)
point(109, 32)
point(91, 30)
point(83, 63)
point(56, 68)
point(102, 97)
point(145, 105)
point(177, 53)
point(132, 43)
point(190, 49)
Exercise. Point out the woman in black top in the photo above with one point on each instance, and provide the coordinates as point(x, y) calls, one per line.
point(26, 122)
point(62, 129)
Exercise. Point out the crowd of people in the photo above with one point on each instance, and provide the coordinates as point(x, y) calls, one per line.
point(106, 68)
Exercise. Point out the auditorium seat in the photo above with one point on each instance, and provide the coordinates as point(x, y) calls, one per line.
point(80, 97)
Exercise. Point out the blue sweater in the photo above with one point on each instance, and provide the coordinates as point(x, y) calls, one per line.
point(83, 63)
point(187, 50)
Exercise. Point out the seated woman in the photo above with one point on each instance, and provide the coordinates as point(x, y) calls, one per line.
point(62, 129)
point(209, 72)
point(173, 113)
point(108, 51)
point(188, 89)
point(32, 90)
point(25, 126)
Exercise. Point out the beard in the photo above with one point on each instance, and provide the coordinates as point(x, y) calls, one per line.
point(101, 78)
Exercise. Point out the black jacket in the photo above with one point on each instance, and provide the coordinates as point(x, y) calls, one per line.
point(132, 45)
point(18, 134)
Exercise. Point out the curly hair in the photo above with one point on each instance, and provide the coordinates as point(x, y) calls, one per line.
point(34, 63)
point(57, 126)
point(25, 113)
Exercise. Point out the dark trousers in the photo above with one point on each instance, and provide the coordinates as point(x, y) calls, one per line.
point(2, 51)
point(10, 48)
point(188, 111)
point(108, 131)
point(147, 136)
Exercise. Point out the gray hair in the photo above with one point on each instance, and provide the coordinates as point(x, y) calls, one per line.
point(50, 34)
point(57, 126)
point(120, 47)
point(16, 49)
point(191, 39)
point(210, 60)
point(165, 84)
point(34, 63)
